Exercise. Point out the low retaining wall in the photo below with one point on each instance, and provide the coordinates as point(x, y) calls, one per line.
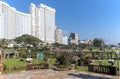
point(111, 70)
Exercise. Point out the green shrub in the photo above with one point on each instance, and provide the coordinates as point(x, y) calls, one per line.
point(63, 59)
point(23, 55)
point(61, 66)
point(4, 67)
point(72, 61)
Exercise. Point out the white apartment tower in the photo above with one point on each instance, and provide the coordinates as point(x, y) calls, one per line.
point(12, 22)
point(65, 40)
point(58, 35)
point(43, 22)
point(39, 23)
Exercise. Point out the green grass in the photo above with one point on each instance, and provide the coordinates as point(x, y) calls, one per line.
point(51, 61)
point(12, 62)
point(82, 68)
point(15, 62)
point(40, 60)
point(105, 62)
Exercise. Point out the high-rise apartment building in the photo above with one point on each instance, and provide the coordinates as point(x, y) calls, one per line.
point(35, 23)
point(65, 40)
point(73, 38)
point(22, 24)
point(40, 22)
point(12, 22)
point(43, 22)
point(58, 35)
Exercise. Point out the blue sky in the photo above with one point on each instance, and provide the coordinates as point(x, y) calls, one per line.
point(88, 18)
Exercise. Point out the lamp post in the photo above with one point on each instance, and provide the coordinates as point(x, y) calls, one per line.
point(117, 55)
point(29, 51)
point(28, 54)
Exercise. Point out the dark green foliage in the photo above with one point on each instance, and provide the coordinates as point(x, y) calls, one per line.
point(21, 59)
point(4, 67)
point(56, 44)
point(97, 42)
point(3, 43)
point(61, 66)
point(64, 59)
point(28, 39)
point(23, 55)
point(85, 60)
point(72, 61)
point(82, 46)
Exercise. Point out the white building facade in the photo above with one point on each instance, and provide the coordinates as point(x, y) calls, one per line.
point(58, 35)
point(12, 22)
point(43, 22)
point(65, 40)
point(40, 22)
point(22, 24)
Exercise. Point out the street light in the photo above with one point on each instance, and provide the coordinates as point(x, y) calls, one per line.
point(29, 51)
point(117, 55)
point(28, 55)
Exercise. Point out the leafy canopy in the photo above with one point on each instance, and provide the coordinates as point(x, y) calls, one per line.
point(97, 42)
point(28, 39)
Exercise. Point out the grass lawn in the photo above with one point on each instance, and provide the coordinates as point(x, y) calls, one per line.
point(12, 62)
point(82, 68)
point(51, 60)
point(15, 62)
point(105, 62)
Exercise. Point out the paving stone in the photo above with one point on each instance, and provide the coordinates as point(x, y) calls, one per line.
point(51, 74)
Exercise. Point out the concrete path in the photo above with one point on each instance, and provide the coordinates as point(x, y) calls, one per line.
point(51, 74)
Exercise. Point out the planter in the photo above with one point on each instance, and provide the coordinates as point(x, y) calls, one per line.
point(61, 69)
point(46, 66)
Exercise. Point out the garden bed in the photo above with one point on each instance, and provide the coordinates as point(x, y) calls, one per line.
point(61, 69)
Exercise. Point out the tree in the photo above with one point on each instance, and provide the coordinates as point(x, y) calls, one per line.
point(64, 60)
point(28, 39)
point(82, 46)
point(57, 44)
point(4, 43)
point(97, 42)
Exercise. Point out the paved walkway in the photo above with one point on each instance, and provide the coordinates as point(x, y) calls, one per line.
point(51, 74)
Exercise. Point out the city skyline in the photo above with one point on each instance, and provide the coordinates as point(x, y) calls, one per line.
point(89, 18)
point(39, 22)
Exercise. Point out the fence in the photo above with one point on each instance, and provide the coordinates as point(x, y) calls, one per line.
point(111, 70)
point(37, 66)
point(28, 67)
point(14, 69)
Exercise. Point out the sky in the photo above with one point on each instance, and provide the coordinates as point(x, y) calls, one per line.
point(89, 18)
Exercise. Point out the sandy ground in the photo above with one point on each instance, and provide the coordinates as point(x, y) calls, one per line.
point(51, 74)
